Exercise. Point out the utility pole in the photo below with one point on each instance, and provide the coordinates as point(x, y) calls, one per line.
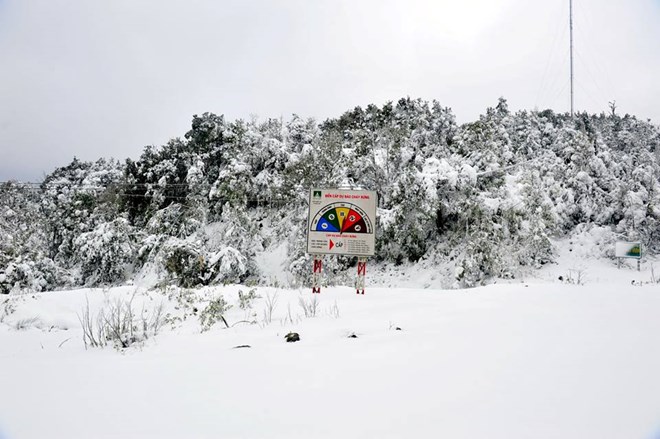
point(570, 6)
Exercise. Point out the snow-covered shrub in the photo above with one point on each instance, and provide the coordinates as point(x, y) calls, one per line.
point(310, 307)
point(531, 239)
point(27, 323)
point(227, 265)
point(172, 221)
point(184, 262)
point(234, 185)
point(246, 300)
point(7, 307)
point(410, 225)
point(238, 229)
point(593, 241)
point(213, 313)
point(118, 323)
point(190, 264)
point(33, 275)
point(482, 255)
point(76, 199)
point(19, 218)
point(336, 270)
point(105, 255)
point(300, 266)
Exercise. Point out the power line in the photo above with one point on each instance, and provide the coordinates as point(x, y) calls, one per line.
point(113, 185)
point(272, 200)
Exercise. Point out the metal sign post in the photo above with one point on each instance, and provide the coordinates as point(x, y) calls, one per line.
point(316, 277)
point(361, 274)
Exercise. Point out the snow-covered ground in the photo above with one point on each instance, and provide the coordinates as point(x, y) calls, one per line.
point(532, 358)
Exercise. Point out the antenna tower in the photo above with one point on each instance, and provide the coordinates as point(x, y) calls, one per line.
point(570, 6)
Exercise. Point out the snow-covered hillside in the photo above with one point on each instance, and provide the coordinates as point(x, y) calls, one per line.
point(473, 203)
point(538, 358)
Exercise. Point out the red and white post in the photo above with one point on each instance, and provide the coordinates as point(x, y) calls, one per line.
point(361, 274)
point(316, 276)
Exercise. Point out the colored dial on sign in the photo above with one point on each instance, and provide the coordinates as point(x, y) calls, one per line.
point(341, 218)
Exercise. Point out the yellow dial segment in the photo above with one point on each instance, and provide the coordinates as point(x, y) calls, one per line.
point(342, 213)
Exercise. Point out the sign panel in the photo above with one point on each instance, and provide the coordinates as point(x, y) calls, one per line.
point(341, 222)
point(629, 250)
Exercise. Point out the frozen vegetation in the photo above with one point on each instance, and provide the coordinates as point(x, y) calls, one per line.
point(475, 202)
point(155, 298)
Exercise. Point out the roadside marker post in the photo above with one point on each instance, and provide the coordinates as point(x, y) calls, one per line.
point(361, 274)
point(316, 276)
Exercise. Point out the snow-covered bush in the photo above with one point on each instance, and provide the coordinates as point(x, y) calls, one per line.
point(213, 313)
point(226, 266)
point(411, 224)
point(75, 199)
point(37, 275)
point(105, 255)
point(190, 264)
point(246, 300)
point(119, 324)
point(184, 262)
point(172, 221)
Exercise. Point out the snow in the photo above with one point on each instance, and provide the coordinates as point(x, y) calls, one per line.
point(536, 358)
point(436, 170)
point(470, 173)
point(492, 204)
point(271, 265)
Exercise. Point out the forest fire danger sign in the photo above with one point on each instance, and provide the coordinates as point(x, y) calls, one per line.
point(341, 222)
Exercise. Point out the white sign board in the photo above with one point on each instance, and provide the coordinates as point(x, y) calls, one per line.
point(629, 250)
point(341, 222)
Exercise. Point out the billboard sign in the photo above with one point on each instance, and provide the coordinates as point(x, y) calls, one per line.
point(341, 222)
point(629, 250)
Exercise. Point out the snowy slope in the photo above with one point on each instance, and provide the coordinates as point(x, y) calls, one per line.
point(533, 359)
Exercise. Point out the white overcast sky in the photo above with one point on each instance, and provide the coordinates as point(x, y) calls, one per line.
point(105, 78)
